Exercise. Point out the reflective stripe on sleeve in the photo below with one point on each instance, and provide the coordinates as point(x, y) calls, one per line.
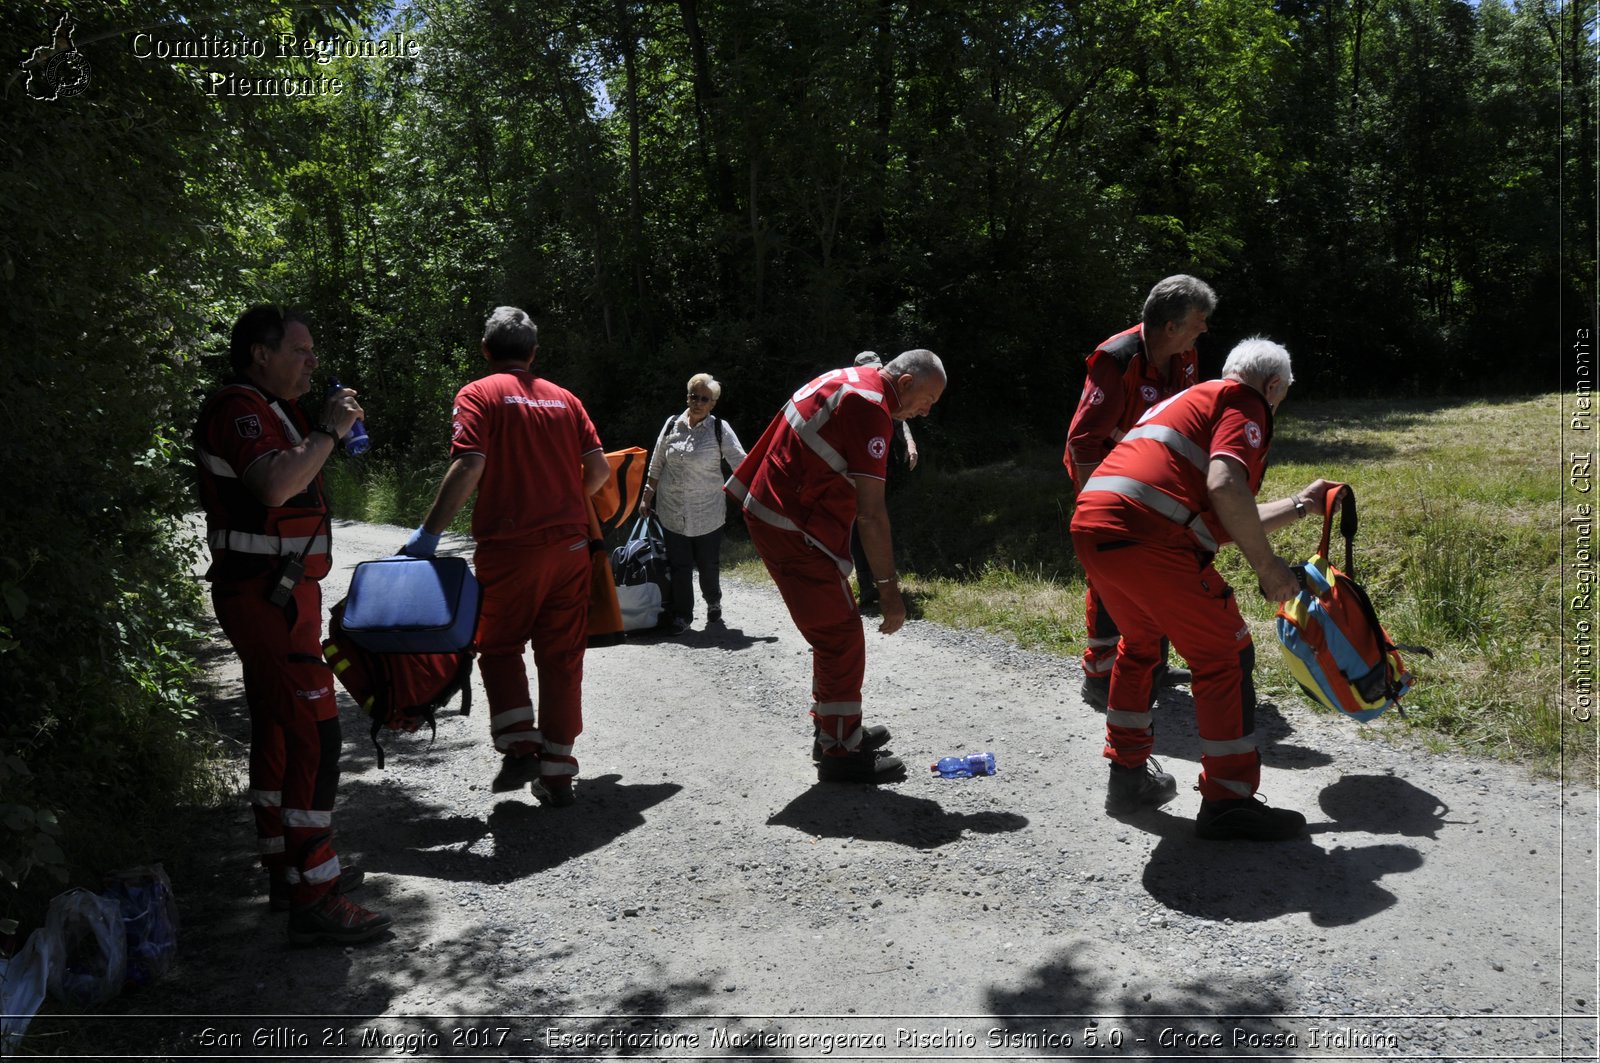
point(214, 465)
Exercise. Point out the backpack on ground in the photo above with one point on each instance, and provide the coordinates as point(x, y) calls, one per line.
point(1330, 635)
point(399, 691)
point(643, 578)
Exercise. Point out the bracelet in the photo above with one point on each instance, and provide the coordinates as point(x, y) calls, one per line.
point(1299, 507)
point(881, 582)
point(327, 430)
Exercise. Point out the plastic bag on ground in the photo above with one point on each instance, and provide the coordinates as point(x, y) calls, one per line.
point(92, 948)
point(150, 919)
point(23, 980)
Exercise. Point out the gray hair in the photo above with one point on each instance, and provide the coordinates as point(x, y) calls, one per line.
point(919, 363)
point(709, 382)
point(510, 335)
point(1173, 297)
point(1257, 360)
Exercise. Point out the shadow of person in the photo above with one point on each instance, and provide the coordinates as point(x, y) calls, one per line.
point(879, 814)
point(1180, 737)
point(1250, 882)
point(723, 637)
point(1070, 993)
point(719, 635)
point(520, 837)
point(1382, 804)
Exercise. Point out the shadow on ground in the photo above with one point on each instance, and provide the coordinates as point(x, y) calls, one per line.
point(1252, 882)
point(836, 810)
point(1072, 995)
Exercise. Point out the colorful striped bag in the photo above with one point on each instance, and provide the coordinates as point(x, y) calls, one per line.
point(1330, 635)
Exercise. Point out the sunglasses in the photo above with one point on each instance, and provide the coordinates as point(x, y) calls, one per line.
point(699, 398)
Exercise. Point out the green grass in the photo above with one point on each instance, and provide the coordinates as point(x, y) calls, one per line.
point(1459, 546)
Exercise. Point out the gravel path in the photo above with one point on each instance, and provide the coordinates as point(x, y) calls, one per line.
point(706, 898)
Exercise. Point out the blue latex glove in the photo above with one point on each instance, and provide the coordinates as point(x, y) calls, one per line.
point(422, 543)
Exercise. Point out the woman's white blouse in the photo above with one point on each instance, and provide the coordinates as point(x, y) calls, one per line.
point(689, 498)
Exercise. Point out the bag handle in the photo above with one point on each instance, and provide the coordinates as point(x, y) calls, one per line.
point(641, 529)
point(1344, 497)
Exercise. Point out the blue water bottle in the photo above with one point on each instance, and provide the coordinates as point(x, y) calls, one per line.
point(965, 767)
point(356, 440)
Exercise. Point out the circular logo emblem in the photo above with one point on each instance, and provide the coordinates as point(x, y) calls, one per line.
point(1147, 393)
point(68, 74)
point(1252, 434)
point(1096, 397)
point(877, 447)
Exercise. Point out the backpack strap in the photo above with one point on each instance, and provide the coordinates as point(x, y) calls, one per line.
point(718, 422)
point(1344, 497)
point(382, 705)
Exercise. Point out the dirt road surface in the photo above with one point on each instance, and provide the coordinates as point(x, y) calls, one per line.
point(706, 898)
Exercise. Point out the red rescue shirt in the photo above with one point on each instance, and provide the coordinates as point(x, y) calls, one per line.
point(1121, 385)
point(237, 427)
point(800, 473)
point(533, 435)
point(1220, 418)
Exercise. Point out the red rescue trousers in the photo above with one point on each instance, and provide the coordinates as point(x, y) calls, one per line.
point(824, 609)
point(537, 594)
point(1157, 591)
point(1100, 651)
point(294, 730)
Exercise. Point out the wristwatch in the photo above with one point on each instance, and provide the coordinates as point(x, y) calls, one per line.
point(327, 430)
point(1299, 507)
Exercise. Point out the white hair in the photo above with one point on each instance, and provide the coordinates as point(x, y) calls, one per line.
point(1259, 359)
point(709, 382)
point(919, 363)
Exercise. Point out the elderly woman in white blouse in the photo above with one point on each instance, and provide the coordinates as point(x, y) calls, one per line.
point(684, 490)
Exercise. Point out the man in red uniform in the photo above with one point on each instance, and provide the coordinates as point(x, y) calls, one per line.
point(260, 465)
point(1146, 527)
point(1128, 374)
point(529, 450)
point(818, 470)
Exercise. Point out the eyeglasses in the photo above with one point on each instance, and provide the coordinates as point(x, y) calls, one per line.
point(699, 398)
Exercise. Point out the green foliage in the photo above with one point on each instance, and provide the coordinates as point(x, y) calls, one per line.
point(116, 271)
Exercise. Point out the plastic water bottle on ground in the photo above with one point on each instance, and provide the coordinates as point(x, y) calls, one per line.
point(965, 767)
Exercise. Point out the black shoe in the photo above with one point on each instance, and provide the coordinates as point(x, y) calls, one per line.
point(864, 765)
point(556, 794)
point(1096, 690)
point(678, 626)
point(713, 614)
point(1250, 818)
point(334, 920)
point(515, 773)
point(1132, 789)
point(350, 879)
point(1168, 676)
point(874, 737)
